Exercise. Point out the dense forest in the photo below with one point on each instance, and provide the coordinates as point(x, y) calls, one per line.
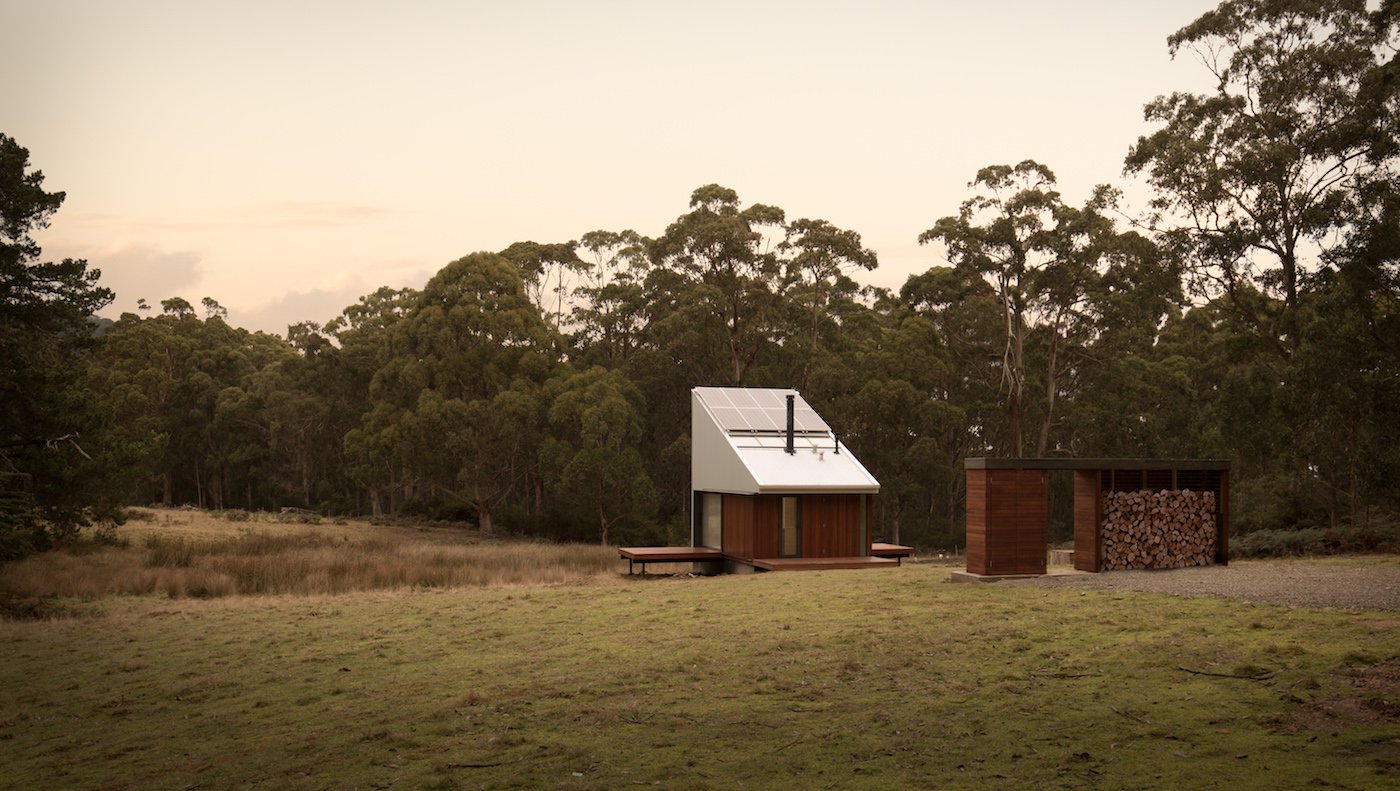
point(1251, 312)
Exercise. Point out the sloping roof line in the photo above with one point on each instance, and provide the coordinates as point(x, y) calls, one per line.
point(745, 452)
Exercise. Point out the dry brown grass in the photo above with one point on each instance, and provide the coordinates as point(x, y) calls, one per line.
point(183, 553)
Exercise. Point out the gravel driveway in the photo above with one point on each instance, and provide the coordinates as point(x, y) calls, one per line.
point(1363, 584)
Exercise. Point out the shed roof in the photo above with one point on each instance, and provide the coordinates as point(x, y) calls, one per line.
point(738, 445)
point(983, 463)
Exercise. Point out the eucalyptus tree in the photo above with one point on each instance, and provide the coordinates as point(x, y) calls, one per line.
point(610, 311)
point(592, 457)
point(182, 390)
point(818, 258)
point(338, 363)
point(726, 311)
point(1253, 178)
point(1285, 171)
point(1042, 258)
point(545, 268)
point(456, 405)
point(1135, 396)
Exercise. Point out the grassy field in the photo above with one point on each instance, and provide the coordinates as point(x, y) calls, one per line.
point(848, 679)
point(208, 555)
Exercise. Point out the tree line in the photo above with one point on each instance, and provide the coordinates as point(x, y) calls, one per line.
point(1252, 312)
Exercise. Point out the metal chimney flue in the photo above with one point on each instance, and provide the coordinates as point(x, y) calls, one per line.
point(790, 400)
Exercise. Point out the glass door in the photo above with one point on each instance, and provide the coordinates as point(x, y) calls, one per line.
point(790, 529)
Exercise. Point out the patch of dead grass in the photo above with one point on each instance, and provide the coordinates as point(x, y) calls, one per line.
point(195, 554)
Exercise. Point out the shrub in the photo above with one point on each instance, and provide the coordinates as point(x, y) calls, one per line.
point(1379, 535)
point(165, 552)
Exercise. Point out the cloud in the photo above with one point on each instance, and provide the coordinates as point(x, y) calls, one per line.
point(307, 214)
point(144, 271)
point(322, 304)
point(263, 214)
point(319, 305)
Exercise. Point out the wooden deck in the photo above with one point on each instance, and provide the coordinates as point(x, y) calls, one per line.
point(811, 564)
point(880, 549)
point(881, 555)
point(645, 555)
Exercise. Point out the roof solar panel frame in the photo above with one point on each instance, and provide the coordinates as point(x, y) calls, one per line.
point(761, 412)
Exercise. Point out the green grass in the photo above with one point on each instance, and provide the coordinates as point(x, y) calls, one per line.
point(848, 679)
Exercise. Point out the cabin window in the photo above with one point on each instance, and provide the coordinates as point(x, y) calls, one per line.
point(712, 519)
point(789, 532)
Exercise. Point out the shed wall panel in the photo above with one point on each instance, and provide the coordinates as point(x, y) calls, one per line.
point(1007, 521)
point(977, 521)
point(1222, 519)
point(1088, 516)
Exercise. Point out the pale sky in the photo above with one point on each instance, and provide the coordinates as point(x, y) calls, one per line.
point(286, 158)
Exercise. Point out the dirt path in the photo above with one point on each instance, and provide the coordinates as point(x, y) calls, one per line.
point(1360, 584)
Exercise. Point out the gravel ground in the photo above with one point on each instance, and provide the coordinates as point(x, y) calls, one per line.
point(1363, 584)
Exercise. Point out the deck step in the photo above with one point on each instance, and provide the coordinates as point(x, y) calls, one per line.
point(811, 564)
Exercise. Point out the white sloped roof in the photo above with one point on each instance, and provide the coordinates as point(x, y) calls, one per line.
point(739, 439)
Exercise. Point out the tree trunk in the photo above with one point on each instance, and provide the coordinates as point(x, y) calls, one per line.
point(602, 523)
point(168, 494)
point(1013, 360)
point(1043, 442)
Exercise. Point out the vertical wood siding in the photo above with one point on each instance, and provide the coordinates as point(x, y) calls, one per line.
point(751, 525)
point(1007, 521)
point(831, 526)
point(977, 521)
point(1088, 516)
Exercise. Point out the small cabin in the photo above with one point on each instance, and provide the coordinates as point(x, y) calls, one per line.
point(773, 488)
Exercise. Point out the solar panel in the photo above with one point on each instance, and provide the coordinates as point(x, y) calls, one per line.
point(751, 410)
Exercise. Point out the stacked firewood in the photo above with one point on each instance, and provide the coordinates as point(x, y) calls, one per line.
point(1158, 530)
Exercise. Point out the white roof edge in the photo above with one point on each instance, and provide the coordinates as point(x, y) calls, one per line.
point(818, 489)
point(725, 462)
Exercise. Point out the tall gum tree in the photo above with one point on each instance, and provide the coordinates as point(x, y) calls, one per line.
point(459, 394)
point(1041, 257)
point(733, 276)
point(1253, 178)
point(610, 299)
point(818, 257)
point(592, 457)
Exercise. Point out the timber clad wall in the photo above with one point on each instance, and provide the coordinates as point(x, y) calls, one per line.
point(1007, 521)
point(977, 521)
point(1088, 516)
point(830, 526)
point(751, 525)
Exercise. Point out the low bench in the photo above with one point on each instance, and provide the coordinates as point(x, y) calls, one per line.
point(645, 555)
point(897, 551)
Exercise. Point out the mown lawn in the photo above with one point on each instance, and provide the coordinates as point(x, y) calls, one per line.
point(875, 678)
